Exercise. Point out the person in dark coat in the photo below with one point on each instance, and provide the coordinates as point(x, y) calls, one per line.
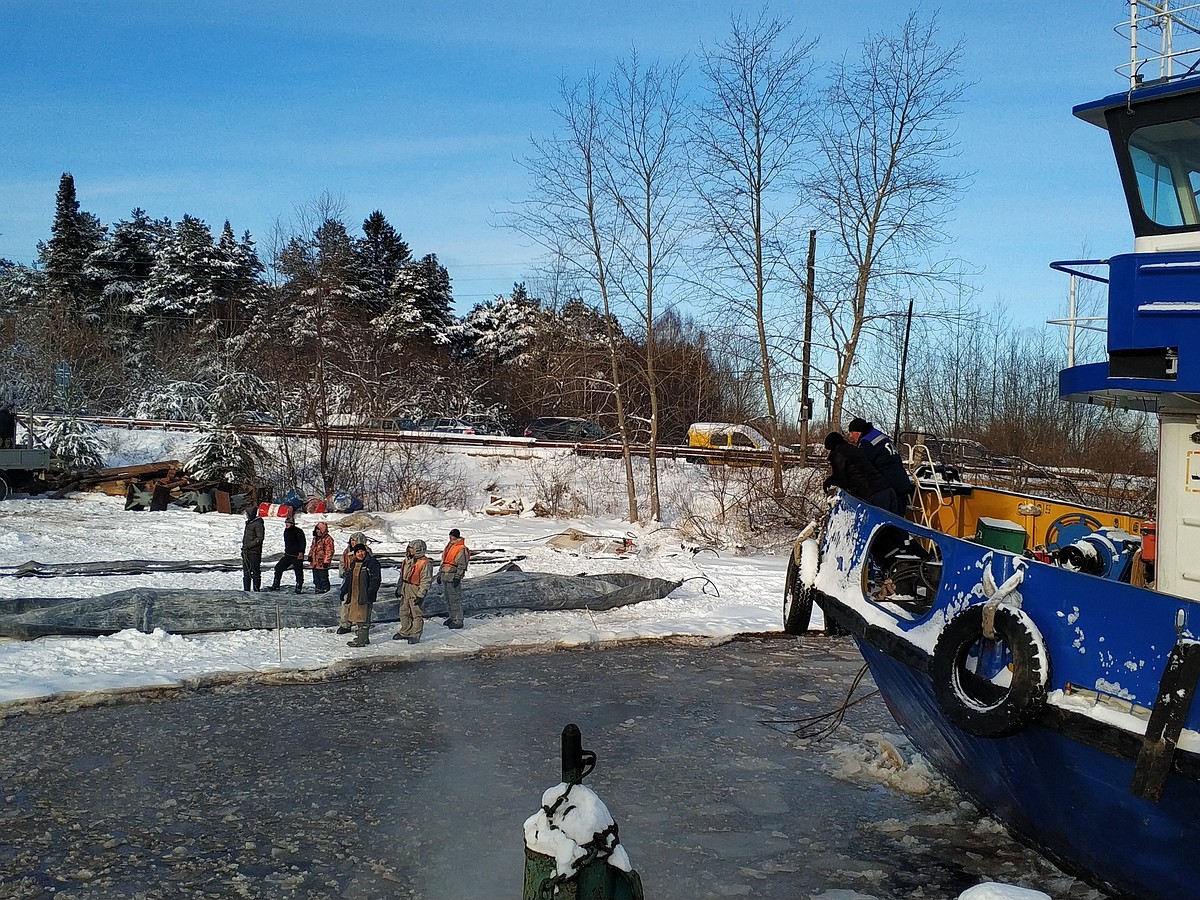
point(8, 427)
point(252, 543)
point(882, 452)
point(294, 543)
point(854, 473)
point(359, 589)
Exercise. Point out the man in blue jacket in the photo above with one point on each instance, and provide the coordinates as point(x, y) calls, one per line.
point(880, 450)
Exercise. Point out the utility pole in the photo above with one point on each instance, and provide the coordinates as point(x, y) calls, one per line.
point(806, 404)
point(903, 370)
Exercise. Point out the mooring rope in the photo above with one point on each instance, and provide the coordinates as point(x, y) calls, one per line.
point(821, 726)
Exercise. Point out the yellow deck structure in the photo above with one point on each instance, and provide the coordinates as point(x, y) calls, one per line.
point(956, 509)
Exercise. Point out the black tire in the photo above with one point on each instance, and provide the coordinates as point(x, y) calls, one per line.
point(976, 704)
point(832, 628)
point(4, 489)
point(797, 600)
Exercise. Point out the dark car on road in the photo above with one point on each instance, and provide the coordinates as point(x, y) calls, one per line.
point(561, 428)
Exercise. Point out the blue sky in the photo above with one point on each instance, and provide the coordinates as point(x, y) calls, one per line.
point(244, 111)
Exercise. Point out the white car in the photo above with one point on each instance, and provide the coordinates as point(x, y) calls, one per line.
point(445, 425)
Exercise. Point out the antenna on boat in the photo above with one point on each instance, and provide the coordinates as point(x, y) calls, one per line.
point(1180, 21)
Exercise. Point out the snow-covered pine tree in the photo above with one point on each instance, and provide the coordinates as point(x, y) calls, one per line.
point(180, 290)
point(74, 236)
point(421, 295)
point(505, 330)
point(175, 401)
point(79, 444)
point(122, 264)
point(223, 453)
point(236, 282)
point(382, 252)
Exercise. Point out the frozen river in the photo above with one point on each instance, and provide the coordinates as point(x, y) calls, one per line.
point(413, 780)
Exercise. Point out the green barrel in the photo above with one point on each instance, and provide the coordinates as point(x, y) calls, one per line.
point(595, 881)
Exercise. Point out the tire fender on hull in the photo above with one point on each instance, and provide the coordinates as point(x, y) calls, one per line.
point(976, 704)
point(797, 598)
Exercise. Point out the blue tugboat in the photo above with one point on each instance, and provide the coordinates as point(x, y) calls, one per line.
point(1057, 690)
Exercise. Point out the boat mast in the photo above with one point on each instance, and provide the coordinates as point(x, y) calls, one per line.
point(1134, 78)
point(1167, 19)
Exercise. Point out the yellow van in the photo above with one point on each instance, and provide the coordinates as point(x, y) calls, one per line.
point(725, 436)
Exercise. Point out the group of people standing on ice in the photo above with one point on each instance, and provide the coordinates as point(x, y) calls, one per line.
point(361, 575)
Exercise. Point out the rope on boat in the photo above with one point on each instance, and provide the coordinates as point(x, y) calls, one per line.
point(998, 595)
point(819, 727)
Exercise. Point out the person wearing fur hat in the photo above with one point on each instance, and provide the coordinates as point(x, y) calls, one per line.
point(880, 450)
point(412, 587)
point(854, 473)
point(253, 536)
point(359, 589)
point(348, 554)
point(294, 543)
point(356, 539)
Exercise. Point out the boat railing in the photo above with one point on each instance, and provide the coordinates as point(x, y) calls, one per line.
point(919, 455)
point(1177, 54)
point(1073, 321)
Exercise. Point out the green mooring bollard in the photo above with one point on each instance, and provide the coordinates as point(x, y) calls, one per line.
point(594, 877)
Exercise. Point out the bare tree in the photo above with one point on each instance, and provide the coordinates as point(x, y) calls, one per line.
point(644, 171)
point(571, 217)
point(749, 138)
point(884, 140)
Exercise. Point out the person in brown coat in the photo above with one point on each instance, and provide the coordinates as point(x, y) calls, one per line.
point(347, 558)
point(320, 555)
point(359, 590)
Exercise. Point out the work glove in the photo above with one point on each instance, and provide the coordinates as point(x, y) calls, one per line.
point(456, 582)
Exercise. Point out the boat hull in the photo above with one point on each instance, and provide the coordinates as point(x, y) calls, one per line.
point(1059, 772)
point(1067, 798)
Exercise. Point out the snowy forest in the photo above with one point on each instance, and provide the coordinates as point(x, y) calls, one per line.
point(717, 247)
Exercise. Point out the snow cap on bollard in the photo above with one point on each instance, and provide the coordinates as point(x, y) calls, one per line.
point(572, 848)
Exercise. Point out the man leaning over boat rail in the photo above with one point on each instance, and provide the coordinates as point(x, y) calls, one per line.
point(880, 450)
point(853, 472)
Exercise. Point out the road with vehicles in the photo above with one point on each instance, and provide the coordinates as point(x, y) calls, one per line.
point(609, 448)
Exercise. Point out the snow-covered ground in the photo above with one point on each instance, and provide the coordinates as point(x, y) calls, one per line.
point(724, 593)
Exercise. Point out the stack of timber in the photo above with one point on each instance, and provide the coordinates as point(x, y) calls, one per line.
point(155, 486)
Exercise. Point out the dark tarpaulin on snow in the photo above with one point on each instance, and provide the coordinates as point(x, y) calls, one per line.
point(184, 611)
point(35, 569)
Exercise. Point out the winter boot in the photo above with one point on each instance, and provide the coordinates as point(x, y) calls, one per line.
point(361, 636)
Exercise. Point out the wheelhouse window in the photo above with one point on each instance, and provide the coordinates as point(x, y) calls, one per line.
point(1166, 163)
